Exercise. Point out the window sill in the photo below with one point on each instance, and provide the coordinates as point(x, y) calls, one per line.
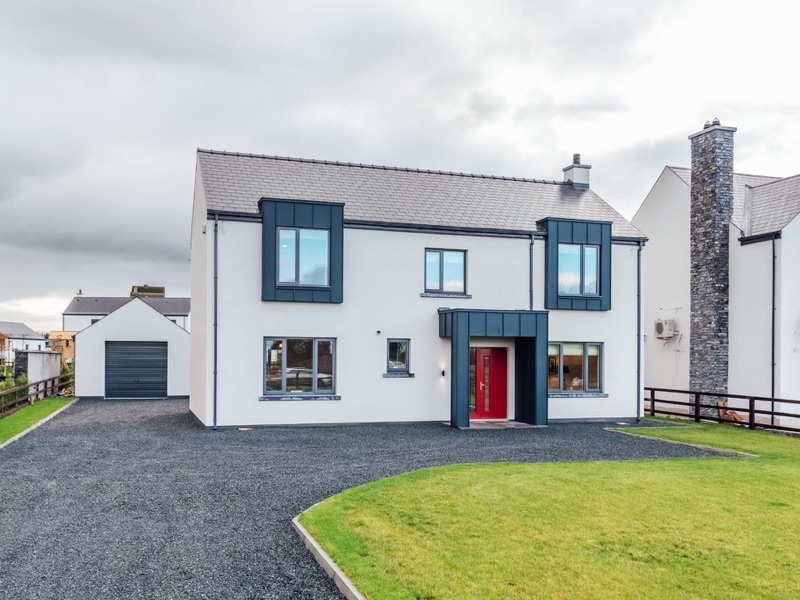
point(576, 395)
point(398, 375)
point(444, 295)
point(290, 397)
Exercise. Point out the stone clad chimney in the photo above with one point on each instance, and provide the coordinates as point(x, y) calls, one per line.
point(710, 216)
point(577, 174)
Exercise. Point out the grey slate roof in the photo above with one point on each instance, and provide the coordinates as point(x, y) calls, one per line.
point(91, 305)
point(377, 194)
point(19, 330)
point(740, 180)
point(775, 205)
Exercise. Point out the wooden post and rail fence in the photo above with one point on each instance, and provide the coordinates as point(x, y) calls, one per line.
point(16, 397)
point(748, 411)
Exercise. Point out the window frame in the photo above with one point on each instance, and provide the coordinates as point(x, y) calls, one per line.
point(600, 390)
point(283, 393)
point(297, 258)
point(440, 290)
point(581, 270)
point(398, 371)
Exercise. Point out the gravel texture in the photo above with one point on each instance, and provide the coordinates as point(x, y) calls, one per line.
point(135, 500)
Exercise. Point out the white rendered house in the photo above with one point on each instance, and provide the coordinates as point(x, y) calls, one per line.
point(749, 318)
point(327, 292)
point(19, 336)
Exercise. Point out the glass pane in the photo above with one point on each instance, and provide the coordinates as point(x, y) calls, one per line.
point(287, 251)
point(299, 365)
point(472, 380)
point(593, 359)
point(325, 366)
point(453, 273)
point(573, 366)
point(590, 269)
point(432, 258)
point(486, 363)
point(398, 355)
point(314, 257)
point(274, 374)
point(553, 368)
point(569, 269)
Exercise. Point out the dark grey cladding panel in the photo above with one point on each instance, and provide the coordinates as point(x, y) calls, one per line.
point(301, 213)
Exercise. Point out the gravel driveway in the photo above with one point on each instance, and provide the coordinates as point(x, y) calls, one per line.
point(134, 500)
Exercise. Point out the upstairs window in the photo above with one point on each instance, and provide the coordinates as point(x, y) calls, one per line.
point(578, 269)
point(303, 256)
point(445, 271)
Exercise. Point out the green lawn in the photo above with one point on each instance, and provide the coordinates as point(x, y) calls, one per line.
point(20, 420)
point(717, 527)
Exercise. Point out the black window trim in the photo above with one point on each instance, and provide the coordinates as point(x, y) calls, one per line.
point(586, 391)
point(583, 293)
point(439, 292)
point(282, 394)
point(296, 283)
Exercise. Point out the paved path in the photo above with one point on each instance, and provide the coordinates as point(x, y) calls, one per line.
point(133, 500)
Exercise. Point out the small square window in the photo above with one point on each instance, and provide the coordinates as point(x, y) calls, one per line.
point(445, 271)
point(398, 356)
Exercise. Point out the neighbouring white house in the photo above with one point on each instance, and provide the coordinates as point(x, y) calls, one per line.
point(18, 336)
point(133, 352)
point(83, 311)
point(721, 293)
point(329, 292)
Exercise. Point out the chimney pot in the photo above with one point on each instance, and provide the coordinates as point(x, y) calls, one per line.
point(577, 174)
point(707, 124)
point(715, 121)
point(576, 159)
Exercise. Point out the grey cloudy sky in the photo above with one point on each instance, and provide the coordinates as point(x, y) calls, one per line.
point(102, 105)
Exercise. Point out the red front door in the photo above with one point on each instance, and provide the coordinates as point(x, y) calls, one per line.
point(488, 378)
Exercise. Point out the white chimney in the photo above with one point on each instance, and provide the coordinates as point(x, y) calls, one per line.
point(577, 174)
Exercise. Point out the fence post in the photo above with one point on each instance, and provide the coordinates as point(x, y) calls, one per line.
point(752, 410)
point(697, 407)
point(652, 403)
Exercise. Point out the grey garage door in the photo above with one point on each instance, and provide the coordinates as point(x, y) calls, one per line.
point(136, 369)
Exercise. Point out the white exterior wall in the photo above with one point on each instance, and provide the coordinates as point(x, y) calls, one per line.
point(14, 344)
point(133, 322)
point(750, 318)
point(383, 279)
point(788, 317)
point(201, 281)
point(81, 322)
point(664, 218)
point(615, 329)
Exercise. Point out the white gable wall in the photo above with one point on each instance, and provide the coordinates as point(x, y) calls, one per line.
point(750, 317)
point(132, 322)
point(664, 219)
point(788, 318)
point(201, 357)
point(81, 322)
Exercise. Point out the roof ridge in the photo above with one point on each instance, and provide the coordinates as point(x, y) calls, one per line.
point(735, 173)
point(380, 167)
point(778, 180)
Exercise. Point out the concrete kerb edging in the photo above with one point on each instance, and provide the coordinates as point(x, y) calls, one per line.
point(701, 447)
point(341, 580)
point(35, 425)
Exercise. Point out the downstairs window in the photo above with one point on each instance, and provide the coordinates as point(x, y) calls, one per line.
point(574, 367)
point(299, 366)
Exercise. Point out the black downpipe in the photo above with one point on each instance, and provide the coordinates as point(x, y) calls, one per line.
point(639, 332)
point(772, 366)
point(530, 275)
point(216, 286)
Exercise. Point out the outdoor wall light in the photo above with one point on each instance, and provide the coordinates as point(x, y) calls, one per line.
point(443, 373)
point(378, 332)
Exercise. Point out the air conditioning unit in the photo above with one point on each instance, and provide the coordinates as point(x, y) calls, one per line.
point(665, 329)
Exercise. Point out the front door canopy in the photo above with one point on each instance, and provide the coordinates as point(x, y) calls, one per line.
point(528, 328)
point(493, 323)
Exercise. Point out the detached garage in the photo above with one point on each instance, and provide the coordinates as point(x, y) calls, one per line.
point(134, 352)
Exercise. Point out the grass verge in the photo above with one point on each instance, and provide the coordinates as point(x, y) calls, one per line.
point(19, 421)
point(684, 528)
